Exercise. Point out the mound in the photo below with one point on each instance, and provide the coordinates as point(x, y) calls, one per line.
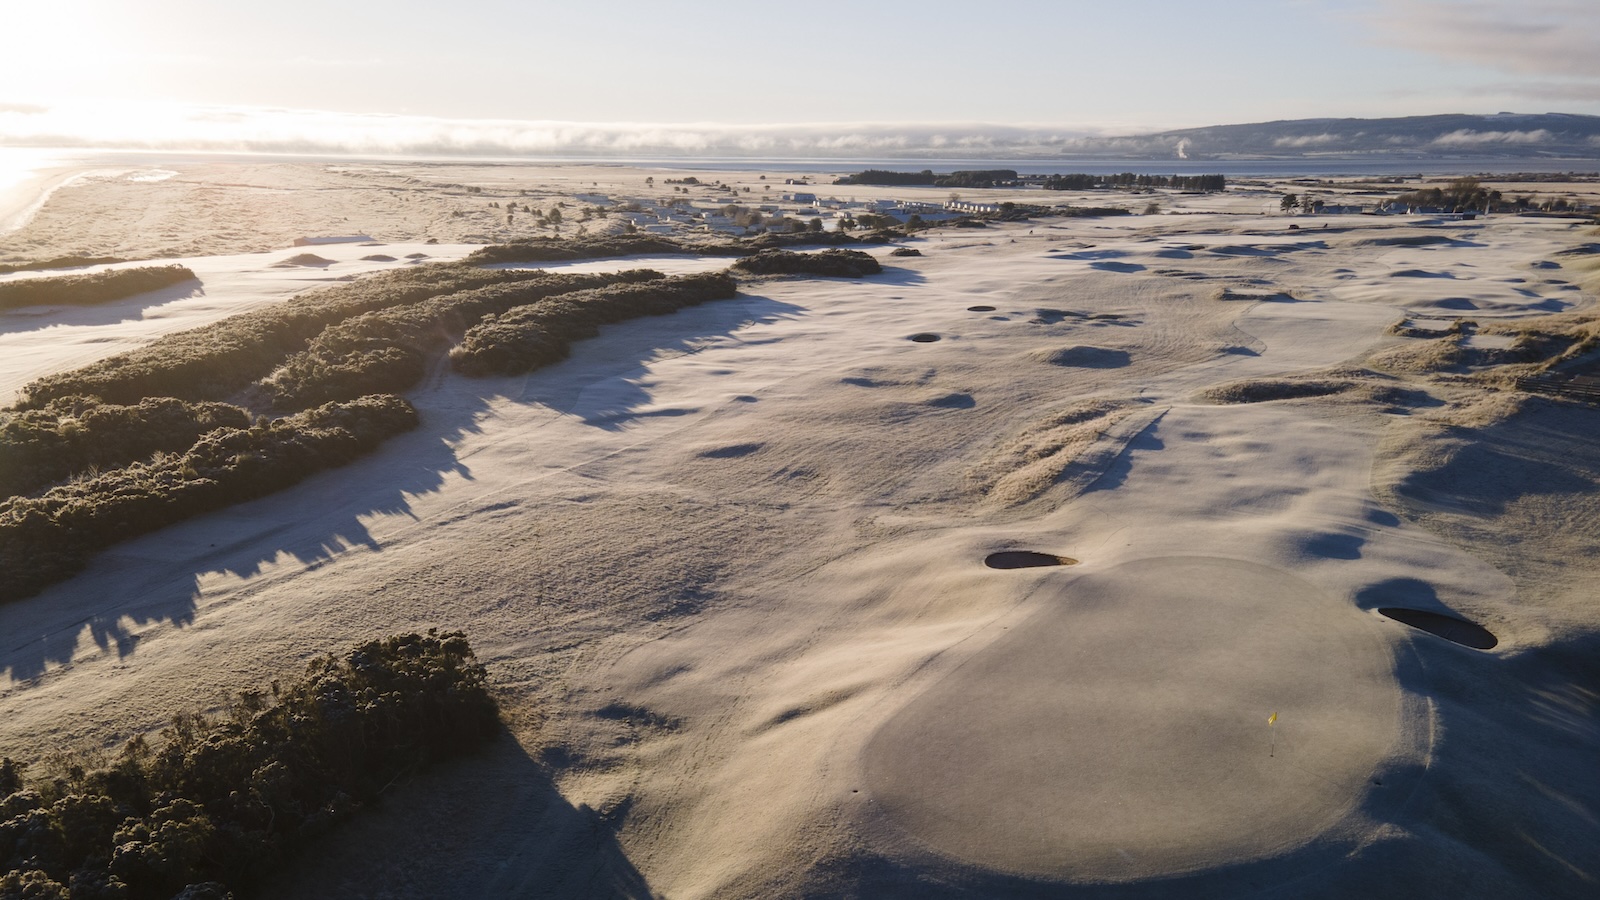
point(1268, 389)
point(304, 259)
point(1083, 357)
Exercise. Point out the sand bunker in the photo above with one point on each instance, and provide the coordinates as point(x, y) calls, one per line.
point(1025, 559)
point(1458, 631)
point(1121, 731)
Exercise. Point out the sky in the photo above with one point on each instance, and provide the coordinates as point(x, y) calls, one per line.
point(822, 77)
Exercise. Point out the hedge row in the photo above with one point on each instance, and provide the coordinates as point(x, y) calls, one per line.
point(532, 336)
point(214, 361)
point(387, 351)
point(220, 802)
point(75, 434)
point(90, 288)
point(50, 537)
point(830, 263)
point(59, 262)
point(552, 249)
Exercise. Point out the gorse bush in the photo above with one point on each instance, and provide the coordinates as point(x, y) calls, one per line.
point(47, 538)
point(532, 336)
point(91, 288)
point(562, 249)
point(387, 351)
point(75, 434)
point(829, 263)
point(348, 347)
point(214, 361)
point(566, 249)
point(59, 262)
point(220, 801)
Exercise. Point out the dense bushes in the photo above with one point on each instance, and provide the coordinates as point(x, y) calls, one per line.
point(551, 249)
point(59, 262)
point(47, 538)
point(387, 351)
point(532, 336)
point(94, 287)
point(565, 249)
point(831, 263)
point(74, 434)
point(214, 361)
point(219, 802)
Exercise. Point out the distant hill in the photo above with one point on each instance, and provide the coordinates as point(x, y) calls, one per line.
point(1503, 135)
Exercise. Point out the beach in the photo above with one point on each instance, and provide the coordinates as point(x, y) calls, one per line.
point(733, 571)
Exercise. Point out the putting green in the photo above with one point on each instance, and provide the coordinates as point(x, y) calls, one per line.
point(1122, 733)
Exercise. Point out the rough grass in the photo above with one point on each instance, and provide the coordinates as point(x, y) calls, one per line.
point(90, 288)
point(1235, 294)
point(1266, 390)
point(1029, 462)
point(1405, 328)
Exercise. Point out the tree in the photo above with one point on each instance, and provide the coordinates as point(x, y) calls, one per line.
point(814, 225)
point(554, 216)
point(1289, 203)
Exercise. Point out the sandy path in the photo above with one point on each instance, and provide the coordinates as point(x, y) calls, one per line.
point(736, 555)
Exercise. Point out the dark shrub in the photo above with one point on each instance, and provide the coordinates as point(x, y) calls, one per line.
point(74, 434)
point(214, 361)
point(832, 263)
point(47, 538)
point(223, 800)
point(91, 288)
point(387, 351)
point(532, 336)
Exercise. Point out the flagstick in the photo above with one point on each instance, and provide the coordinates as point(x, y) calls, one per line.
point(1272, 746)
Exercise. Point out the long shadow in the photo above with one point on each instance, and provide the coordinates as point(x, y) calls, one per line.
point(1540, 456)
point(1145, 441)
point(158, 577)
point(489, 825)
point(37, 318)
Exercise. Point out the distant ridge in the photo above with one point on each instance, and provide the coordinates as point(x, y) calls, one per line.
point(1498, 136)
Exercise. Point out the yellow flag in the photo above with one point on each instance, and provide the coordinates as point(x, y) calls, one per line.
point(1272, 719)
